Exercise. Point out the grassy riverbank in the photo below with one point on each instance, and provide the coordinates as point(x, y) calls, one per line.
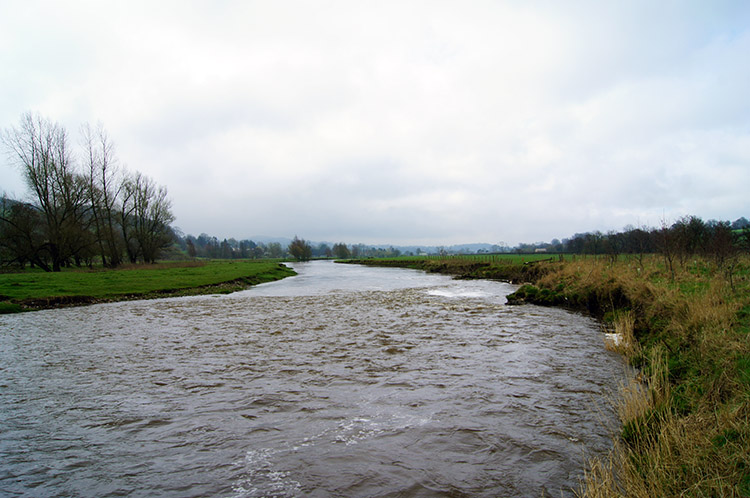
point(686, 418)
point(32, 290)
point(512, 267)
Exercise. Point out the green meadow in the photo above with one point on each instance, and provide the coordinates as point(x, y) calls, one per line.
point(509, 267)
point(31, 290)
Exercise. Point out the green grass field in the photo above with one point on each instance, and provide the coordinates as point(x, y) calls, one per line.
point(34, 289)
point(507, 267)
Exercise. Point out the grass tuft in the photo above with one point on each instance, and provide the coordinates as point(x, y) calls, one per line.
point(685, 416)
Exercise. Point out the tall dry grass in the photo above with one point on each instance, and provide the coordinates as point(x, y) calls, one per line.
point(685, 417)
point(685, 429)
point(622, 338)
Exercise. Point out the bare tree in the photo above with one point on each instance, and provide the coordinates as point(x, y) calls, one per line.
point(612, 244)
point(722, 244)
point(126, 214)
point(665, 240)
point(79, 215)
point(22, 238)
point(40, 149)
point(690, 235)
point(104, 188)
point(151, 217)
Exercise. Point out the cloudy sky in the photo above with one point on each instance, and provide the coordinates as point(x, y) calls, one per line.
point(400, 121)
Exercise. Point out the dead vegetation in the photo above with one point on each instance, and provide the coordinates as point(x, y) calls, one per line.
point(684, 418)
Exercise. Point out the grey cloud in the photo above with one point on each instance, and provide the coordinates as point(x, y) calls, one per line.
point(434, 122)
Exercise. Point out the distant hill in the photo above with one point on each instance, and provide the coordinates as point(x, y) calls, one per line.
point(284, 241)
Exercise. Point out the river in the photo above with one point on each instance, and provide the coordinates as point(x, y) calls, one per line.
point(342, 381)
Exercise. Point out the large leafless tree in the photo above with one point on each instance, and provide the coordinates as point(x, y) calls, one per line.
point(104, 187)
point(41, 149)
point(151, 216)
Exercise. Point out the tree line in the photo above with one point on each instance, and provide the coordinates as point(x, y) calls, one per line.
point(210, 247)
point(90, 209)
point(677, 242)
point(80, 210)
point(302, 250)
point(206, 246)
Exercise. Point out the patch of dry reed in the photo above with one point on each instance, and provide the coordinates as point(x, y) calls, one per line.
point(684, 432)
point(622, 340)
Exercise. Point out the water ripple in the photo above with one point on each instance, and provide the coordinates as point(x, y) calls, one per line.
point(345, 381)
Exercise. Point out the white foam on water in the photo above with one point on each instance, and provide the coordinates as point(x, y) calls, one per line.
point(262, 479)
point(456, 293)
point(613, 338)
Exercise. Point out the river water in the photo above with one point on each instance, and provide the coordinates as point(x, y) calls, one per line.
point(342, 381)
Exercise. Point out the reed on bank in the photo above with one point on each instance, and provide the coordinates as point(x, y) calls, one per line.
point(685, 428)
point(685, 418)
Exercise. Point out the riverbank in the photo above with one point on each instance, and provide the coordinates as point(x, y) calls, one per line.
point(511, 268)
point(35, 290)
point(685, 420)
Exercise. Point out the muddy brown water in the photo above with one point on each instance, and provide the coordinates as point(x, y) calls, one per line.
point(343, 381)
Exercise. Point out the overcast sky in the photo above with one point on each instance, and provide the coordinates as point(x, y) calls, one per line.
point(425, 122)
